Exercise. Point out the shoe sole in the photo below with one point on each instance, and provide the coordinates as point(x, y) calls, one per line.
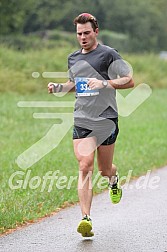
point(84, 228)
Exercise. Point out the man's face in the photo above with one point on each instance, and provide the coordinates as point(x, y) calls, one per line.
point(87, 36)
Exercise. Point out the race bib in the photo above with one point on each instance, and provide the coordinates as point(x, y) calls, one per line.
point(82, 89)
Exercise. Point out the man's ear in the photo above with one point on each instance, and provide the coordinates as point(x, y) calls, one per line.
point(97, 31)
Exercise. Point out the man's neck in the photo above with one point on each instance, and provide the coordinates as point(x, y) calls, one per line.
point(89, 50)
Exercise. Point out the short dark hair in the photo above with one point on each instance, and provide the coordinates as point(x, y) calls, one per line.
point(86, 17)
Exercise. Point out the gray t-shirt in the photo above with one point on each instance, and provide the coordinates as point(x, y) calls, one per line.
point(98, 63)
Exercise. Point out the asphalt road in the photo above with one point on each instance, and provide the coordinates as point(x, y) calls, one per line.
point(138, 223)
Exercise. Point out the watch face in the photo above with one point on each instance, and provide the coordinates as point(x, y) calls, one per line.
point(105, 83)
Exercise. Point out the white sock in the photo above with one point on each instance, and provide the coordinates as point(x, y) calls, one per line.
point(113, 180)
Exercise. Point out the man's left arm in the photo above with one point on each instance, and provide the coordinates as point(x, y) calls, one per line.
point(121, 83)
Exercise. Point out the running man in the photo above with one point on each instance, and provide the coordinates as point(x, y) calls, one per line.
point(95, 72)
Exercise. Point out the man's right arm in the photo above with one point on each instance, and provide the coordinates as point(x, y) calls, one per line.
point(69, 86)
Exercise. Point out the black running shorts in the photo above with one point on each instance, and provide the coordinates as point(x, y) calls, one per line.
point(79, 132)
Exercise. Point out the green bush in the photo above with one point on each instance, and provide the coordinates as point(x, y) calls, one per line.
point(116, 40)
point(40, 40)
point(62, 36)
point(54, 38)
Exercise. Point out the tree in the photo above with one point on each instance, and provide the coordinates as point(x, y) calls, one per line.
point(144, 22)
point(12, 15)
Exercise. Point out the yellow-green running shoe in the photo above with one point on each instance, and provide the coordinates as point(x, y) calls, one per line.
point(115, 191)
point(85, 227)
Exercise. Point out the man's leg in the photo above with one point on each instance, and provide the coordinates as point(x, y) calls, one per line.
point(85, 157)
point(84, 150)
point(104, 158)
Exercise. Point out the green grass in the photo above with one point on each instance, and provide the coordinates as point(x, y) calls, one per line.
point(18, 67)
point(149, 69)
point(141, 144)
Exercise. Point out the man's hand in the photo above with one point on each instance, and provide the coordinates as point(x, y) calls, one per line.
point(52, 87)
point(94, 83)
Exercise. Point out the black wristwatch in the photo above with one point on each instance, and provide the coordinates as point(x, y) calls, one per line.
point(105, 83)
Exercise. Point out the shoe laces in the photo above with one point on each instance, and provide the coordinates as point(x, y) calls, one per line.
point(114, 189)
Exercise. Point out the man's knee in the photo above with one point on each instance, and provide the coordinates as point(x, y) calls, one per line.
point(85, 167)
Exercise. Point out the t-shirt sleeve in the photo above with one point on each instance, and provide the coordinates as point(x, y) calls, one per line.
point(70, 74)
point(117, 66)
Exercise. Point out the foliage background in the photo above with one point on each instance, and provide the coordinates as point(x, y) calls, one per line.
point(143, 23)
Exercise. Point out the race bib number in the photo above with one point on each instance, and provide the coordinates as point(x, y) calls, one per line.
point(82, 89)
